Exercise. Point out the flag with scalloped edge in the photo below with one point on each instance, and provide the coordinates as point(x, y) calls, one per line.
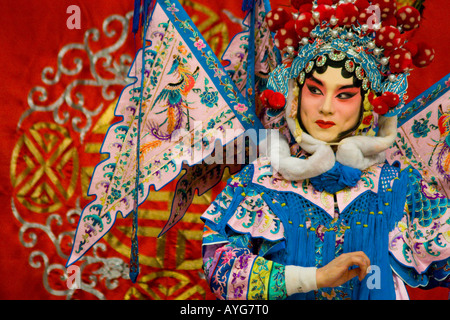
point(181, 103)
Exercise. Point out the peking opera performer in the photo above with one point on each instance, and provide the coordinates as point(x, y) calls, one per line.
point(324, 216)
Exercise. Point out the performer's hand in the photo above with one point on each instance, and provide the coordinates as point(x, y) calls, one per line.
point(337, 272)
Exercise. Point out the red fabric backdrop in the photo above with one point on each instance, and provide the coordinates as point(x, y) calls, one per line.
point(50, 146)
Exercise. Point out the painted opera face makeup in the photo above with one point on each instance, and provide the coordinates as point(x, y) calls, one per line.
point(330, 105)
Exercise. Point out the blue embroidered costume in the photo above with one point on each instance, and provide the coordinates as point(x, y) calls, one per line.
point(260, 223)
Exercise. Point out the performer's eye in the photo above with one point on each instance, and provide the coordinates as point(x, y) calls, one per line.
point(314, 90)
point(345, 95)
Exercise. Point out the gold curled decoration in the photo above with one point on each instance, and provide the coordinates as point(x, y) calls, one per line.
point(162, 291)
point(183, 237)
point(44, 167)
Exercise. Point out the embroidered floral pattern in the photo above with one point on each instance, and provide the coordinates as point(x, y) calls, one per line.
point(209, 97)
point(254, 217)
point(199, 44)
point(259, 279)
point(420, 128)
point(421, 236)
point(238, 285)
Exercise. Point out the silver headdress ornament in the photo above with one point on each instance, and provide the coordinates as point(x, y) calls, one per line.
point(374, 36)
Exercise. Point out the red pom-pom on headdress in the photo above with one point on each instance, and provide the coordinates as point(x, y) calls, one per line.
point(400, 60)
point(388, 37)
point(391, 99)
point(347, 13)
point(273, 100)
point(387, 7)
point(286, 36)
point(408, 17)
point(362, 6)
point(383, 103)
point(424, 56)
point(277, 101)
point(277, 18)
point(379, 106)
point(264, 97)
point(326, 12)
point(304, 24)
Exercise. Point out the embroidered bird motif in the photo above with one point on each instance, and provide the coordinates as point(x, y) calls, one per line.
point(443, 158)
point(174, 97)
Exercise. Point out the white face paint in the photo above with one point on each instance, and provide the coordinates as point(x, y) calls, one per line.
point(330, 104)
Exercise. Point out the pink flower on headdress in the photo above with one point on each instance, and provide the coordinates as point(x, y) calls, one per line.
point(240, 107)
point(199, 44)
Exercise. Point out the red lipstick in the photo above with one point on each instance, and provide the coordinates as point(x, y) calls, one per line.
point(325, 124)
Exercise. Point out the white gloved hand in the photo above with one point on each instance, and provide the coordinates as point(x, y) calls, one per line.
point(300, 279)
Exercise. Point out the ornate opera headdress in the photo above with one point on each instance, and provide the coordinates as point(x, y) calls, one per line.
point(374, 38)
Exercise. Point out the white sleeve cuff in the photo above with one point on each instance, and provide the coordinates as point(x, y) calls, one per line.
point(300, 279)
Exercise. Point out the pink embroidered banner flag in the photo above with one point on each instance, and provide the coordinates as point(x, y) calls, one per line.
point(181, 103)
point(423, 139)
